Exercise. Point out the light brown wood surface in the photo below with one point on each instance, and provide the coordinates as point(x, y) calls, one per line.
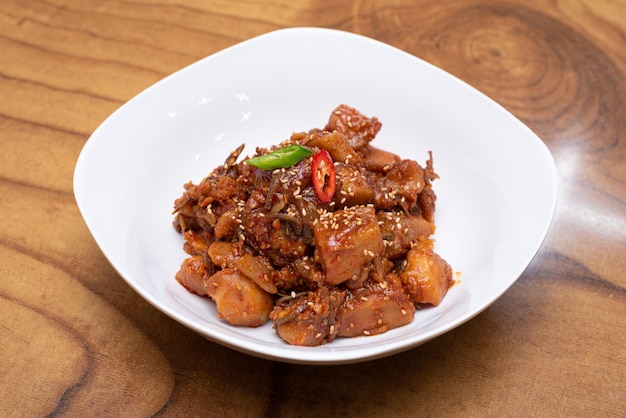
point(76, 340)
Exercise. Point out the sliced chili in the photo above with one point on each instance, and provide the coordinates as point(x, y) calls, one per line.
point(281, 158)
point(323, 176)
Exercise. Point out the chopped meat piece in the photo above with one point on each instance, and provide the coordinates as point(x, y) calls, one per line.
point(225, 188)
point(401, 185)
point(309, 319)
point(376, 159)
point(282, 242)
point(197, 243)
point(288, 278)
point(337, 146)
point(358, 128)
point(400, 231)
point(226, 224)
point(426, 202)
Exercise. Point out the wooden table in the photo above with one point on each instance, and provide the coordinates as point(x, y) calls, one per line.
point(76, 340)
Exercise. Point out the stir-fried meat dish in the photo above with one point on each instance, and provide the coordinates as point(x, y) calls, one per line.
point(324, 234)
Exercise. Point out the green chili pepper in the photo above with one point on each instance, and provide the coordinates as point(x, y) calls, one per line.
point(281, 158)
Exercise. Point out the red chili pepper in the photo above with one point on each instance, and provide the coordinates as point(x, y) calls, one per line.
point(323, 176)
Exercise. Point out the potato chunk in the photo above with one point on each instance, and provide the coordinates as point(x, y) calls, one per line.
point(426, 276)
point(223, 253)
point(192, 274)
point(239, 300)
point(375, 309)
point(346, 241)
point(258, 270)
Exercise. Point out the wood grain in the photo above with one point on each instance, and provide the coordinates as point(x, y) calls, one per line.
point(75, 340)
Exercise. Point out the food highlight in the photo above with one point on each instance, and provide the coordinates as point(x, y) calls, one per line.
point(324, 235)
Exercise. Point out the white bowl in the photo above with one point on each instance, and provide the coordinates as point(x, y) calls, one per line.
point(496, 195)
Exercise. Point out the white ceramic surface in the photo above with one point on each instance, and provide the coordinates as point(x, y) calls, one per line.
point(496, 195)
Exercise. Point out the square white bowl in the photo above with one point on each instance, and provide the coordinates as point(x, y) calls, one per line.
point(497, 190)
